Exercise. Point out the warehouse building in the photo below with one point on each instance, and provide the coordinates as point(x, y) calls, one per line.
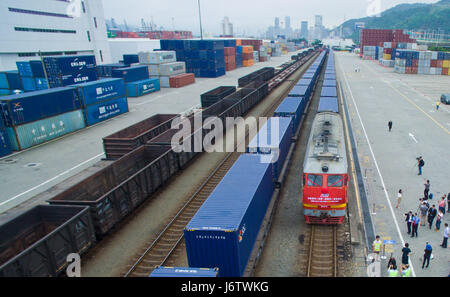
point(31, 28)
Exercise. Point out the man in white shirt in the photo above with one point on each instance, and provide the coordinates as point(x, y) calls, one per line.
point(446, 232)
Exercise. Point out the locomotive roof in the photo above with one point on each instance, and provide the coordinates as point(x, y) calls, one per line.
point(326, 145)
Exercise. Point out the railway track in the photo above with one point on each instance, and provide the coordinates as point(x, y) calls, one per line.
point(322, 254)
point(172, 237)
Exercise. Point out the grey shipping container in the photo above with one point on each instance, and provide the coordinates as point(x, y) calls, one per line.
point(116, 190)
point(37, 242)
point(124, 141)
point(223, 231)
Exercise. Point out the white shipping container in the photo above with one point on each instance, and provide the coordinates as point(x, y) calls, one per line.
point(167, 69)
point(434, 55)
point(158, 57)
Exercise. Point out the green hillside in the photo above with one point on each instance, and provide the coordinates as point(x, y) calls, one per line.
point(405, 16)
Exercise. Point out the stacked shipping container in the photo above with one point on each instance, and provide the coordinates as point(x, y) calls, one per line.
point(422, 62)
point(230, 58)
point(68, 70)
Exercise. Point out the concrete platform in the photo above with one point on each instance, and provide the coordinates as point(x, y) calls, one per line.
point(374, 96)
point(26, 174)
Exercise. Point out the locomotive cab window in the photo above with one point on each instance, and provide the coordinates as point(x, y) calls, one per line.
point(335, 180)
point(314, 180)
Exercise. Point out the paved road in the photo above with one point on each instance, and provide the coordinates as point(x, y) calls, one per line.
point(376, 95)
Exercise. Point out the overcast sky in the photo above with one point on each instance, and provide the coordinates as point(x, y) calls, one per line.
point(247, 16)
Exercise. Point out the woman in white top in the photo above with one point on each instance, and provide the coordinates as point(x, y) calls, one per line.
point(399, 198)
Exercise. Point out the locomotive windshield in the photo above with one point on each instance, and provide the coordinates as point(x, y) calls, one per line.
point(335, 180)
point(315, 180)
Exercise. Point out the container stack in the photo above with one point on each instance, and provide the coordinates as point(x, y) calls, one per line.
point(10, 82)
point(204, 58)
point(5, 147)
point(33, 118)
point(263, 54)
point(370, 52)
point(163, 66)
point(256, 56)
point(130, 59)
point(32, 75)
point(230, 58)
point(422, 62)
point(69, 70)
point(105, 70)
point(247, 55)
point(373, 37)
point(103, 99)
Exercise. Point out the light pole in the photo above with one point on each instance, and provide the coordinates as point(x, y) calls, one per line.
point(200, 18)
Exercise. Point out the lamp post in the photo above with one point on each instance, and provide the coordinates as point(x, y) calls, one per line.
point(200, 18)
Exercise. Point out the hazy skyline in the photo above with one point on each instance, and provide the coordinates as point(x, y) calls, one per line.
point(251, 17)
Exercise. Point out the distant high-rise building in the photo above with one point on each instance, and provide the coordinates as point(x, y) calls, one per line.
point(277, 22)
point(304, 30)
point(287, 21)
point(227, 27)
point(318, 27)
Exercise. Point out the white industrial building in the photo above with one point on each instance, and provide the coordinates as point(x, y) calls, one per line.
point(30, 28)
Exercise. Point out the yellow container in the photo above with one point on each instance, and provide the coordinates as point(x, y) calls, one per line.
point(387, 56)
point(446, 64)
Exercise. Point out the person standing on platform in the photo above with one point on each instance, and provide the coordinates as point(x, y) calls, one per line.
point(399, 198)
point(446, 233)
point(409, 220)
point(423, 213)
point(420, 164)
point(377, 245)
point(438, 103)
point(406, 251)
point(390, 126)
point(426, 257)
point(415, 225)
point(427, 189)
point(442, 204)
point(439, 217)
point(432, 212)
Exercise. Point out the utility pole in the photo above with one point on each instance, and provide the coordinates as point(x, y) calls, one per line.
point(200, 17)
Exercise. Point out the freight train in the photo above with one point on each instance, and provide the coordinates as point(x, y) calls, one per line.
point(87, 206)
point(325, 171)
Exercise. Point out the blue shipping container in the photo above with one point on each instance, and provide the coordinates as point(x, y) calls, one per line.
point(5, 147)
point(10, 80)
point(31, 134)
point(330, 76)
point(292, 107)
point(100, 90)
point(24, 68)
point(73, 78)
point(223, 231)
point(272, 142)
point(140, 88)
point(304, 82)
point(29, 84)
point(34, 106)
point(131, 74)
point(41, 83)
point(184, 272)
point(37, 68)
point(300, 91)
point(99, 112)
point(68, 64)
point(130, 59)
point(309, 75)
point(328, 104)
point(328, 92)
point(329, 83)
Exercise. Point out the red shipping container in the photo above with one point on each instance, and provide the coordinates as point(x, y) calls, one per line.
point(230, 51)
point(229, 67)
point(415, 63)
point(181, 80)
point(433, 63)
point(439, 63)
point(444, 71)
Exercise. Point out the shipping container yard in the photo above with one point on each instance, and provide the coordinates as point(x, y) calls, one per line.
point(141, 151)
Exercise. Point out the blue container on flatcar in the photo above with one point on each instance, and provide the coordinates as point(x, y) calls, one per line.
point(309, 75)
point(100, 90)
point(131, 74)
point(98, 112)
point(29, 84)
point(223, 231)
point(140, 88)
point(328, 92)
point(300, 91)
point(304, 82)
point(272, 142)
point(10, 80)
point(328, 104)
point(184, 272)
point(5, 147)
point(292, 107)
point(330, 76)
point(33, 106)
point(329, 83)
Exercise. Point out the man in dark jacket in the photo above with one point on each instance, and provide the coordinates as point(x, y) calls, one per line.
point(426, 257)
point(409, 220)
point(432, 212)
